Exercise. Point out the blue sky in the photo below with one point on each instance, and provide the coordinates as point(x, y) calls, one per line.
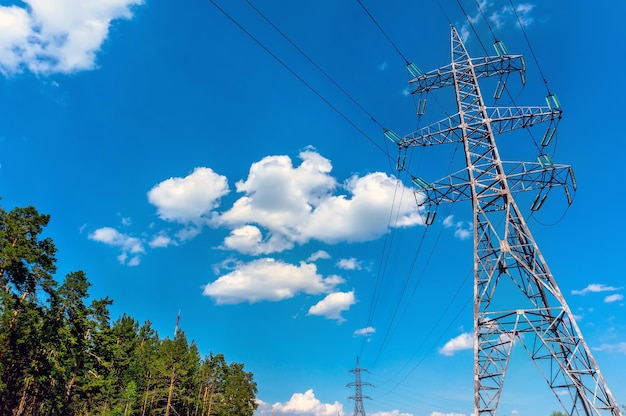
point(186, 168)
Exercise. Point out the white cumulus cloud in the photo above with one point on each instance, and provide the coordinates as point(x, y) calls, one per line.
point(364, 214)
point(57, 36)
point(270, 280)
point(190, 199)
point(333, 304)
point(290, 204)
point(306, 404)
point(131, 247)
point(281, 205)
point(249, 239)
point(464, 341)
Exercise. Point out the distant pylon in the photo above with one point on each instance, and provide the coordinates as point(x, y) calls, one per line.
point(506, 257)
point(177, 322)
point(358, 396)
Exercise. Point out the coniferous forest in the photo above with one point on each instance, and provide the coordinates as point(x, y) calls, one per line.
point(61, 353)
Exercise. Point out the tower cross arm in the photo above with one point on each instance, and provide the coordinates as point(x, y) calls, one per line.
point(483, 67)
point(521, 176)
point(362, 396)
point(498, 65)
point(443, 131)
point(452, 188)
point(502, 119)
point(505, 119)
point(542, 176)
point(359, 383)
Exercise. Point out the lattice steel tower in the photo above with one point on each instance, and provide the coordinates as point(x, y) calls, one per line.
point(358, 396)
point(504, 249)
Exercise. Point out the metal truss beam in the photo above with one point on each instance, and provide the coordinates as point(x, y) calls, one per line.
point(503, 119)
point(522, 176)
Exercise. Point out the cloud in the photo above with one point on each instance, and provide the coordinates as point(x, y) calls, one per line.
point(497, 16)
point(364, 215)
point(349, 264)
point(619, 347)
point(268, 279)
point(448, 221)
point(131, 247)
point(161, 240)
point(595, 288)
point(365, 332)
point(500, 18)
point(249, 239)
point(283, 205)
point(613, 298)
point(465, 341)
point(57, 36)
point(462, 230)
point(523, 12)
point(190, 199)
point(306, 404)
point(392, 413)
point(277, 194)
point(333, 304)
point(320, 254)
point(464, 32)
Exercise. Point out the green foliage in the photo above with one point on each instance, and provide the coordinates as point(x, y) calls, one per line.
point(557, 413)
point(61, 355)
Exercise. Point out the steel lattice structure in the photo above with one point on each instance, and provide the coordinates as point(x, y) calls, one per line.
point(358, 396)
point(504, 248)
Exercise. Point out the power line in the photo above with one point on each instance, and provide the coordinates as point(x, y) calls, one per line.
point(382, 31)
point(298, 77)
point(436, 342)
point(382, 267)
point(480, 9)
point(532, 52)
point(497, 41)
point(471, 25)
point(374, 303)
point(399, 302)
point(264, 47)
point(308, 58)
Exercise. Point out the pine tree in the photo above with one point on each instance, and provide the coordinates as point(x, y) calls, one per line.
point(26, 265)
point(62, 356)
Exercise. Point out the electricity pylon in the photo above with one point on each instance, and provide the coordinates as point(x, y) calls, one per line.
point(504, 249)
point(358, 396)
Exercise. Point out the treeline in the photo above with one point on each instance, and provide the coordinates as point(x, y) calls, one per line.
point(61, 354)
